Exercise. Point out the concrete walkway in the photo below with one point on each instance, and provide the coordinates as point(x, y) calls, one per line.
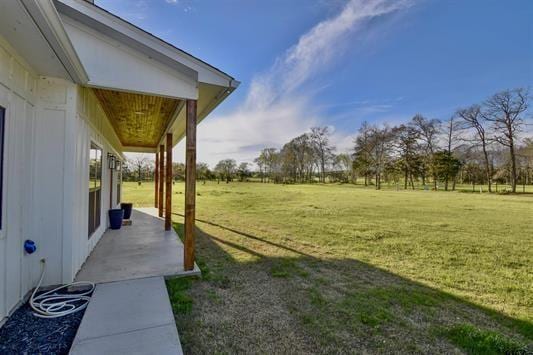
point(128, 317)
point(141, 250)
point(130, 312)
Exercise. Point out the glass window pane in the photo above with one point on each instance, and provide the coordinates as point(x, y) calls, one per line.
point(95, 184)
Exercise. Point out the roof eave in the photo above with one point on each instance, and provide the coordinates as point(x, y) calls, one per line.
point(46, 17)
point(81, 8)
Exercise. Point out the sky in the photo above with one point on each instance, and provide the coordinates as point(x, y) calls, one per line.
point(338, 63)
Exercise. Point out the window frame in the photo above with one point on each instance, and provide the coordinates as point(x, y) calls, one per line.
point(2, 145)
point(95, 191)
point(118, 183)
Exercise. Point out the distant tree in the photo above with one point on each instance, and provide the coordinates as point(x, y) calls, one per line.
point(259, 161)
point(268, 156)
point(139, 164)
point(361, 158)
point(374, 146)
point(344, 164)
point(324, 150)
point(473, 119)
point(298, 158)
point(429, 130)
point(452, 136)
point(473, 173)
point(202, 172)
point(243, 171)
point(527, 154)
point(178, 171)
point(226, 169)
point(406, 144)
point(504, 111)
point(446, 165)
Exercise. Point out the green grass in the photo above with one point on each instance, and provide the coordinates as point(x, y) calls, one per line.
point(181, 302)
point(482, 342)
point(342, 268)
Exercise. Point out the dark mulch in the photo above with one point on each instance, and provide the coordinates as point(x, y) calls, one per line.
point(24, 333)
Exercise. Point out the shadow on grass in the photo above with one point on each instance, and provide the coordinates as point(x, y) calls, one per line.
point(305, 304)
point(247, 235)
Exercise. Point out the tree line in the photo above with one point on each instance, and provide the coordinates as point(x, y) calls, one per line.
point(142, 168)
point(480, 145)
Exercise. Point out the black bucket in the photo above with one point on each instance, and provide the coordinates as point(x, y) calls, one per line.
point(115, 218)
point(126, 207)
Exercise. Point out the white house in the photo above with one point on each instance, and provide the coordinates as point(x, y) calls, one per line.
point(78, 88)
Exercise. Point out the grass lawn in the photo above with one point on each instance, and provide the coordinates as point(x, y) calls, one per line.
point(342, 268)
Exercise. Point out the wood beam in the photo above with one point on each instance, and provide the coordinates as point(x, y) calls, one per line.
point(168, 182)
point(190, 184)
point(161, 178)
point(156, 179)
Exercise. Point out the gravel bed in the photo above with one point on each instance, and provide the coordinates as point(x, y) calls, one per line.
point(24, 333)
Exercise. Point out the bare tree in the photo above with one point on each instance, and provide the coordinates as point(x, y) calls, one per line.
point(452, 130)
point(406, 144)
point(375, 145)
point(139, 163)
point(361, 159)
point(260, 162)
point(504, 110)
point(267, 159)
point(429, 134)
point(473, 119)
point(320, 140)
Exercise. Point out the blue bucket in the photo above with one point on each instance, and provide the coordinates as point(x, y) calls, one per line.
point(116, 216)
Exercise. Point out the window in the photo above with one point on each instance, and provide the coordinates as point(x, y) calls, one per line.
point(95, 187)
point(2, 120)
point(119, 180)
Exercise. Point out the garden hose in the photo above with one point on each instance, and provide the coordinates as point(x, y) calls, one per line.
point(52, 304)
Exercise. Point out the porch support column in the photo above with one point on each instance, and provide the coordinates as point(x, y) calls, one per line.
point(168, 182)
point(156, 179)
point(190, 184)
point(161, 178)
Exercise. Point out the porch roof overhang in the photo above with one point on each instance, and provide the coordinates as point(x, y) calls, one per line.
point(141, 81)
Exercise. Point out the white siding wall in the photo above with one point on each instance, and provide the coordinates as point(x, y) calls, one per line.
point(50, 123)
point(52, 177)
point(92, 125)
point(17, 96)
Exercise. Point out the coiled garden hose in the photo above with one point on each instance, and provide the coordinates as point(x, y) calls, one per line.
point(52, 304)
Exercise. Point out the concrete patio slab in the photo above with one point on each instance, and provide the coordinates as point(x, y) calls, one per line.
point(128, 317)
point(141, 250)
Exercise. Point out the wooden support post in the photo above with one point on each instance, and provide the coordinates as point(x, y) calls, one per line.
point(156, 179)
point(161, 178)
point(168, 182)
point(190, 184)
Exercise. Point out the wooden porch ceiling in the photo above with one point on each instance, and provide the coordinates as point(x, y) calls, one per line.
point(139, 120)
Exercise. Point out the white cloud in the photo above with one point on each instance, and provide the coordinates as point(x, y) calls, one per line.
point(278, 106)
point(183, 3)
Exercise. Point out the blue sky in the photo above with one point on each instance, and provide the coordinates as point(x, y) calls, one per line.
point(339, 62)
